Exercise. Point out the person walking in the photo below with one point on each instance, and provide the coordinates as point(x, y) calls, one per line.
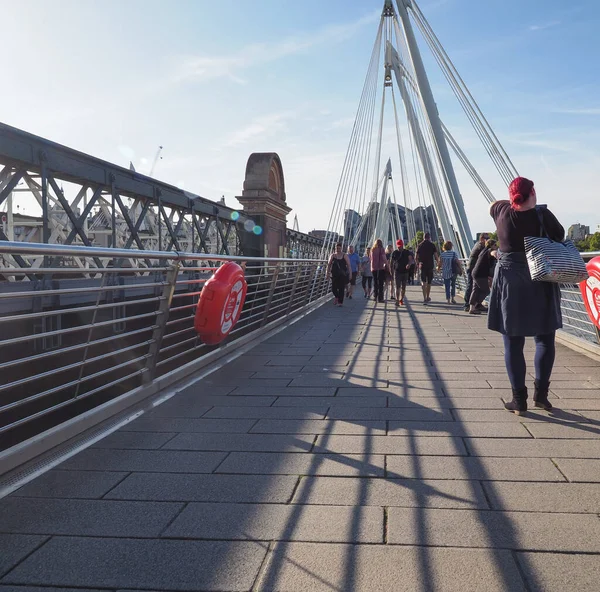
point(366, 273)
point(483, 274)
point(475, 252)
point(338, 269)
point(520, 307)
point(451, 268)
point(401, 260)
point(389, 284)
point(426, 254)
point(378, 267)
point(354, 259)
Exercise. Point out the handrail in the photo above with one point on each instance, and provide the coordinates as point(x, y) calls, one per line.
point(576, 321)
point(61, 340)
point(41, 250)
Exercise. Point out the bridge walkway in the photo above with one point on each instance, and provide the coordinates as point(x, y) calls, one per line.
point(363, 448)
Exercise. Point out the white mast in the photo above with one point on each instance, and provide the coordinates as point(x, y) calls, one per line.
point(464, 231)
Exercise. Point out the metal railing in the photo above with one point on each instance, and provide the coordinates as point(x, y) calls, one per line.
point(576, 321)
point(73, 338)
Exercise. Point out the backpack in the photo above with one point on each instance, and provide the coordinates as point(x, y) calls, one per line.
point(456, 268)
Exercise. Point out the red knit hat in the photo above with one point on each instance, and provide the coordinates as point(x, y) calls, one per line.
point(399, 243)
point(519, 191)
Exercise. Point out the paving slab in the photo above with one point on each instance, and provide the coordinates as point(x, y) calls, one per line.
point(557, 572)
point(250, 391)
point(135, 440)
point(205, 488)
point(364, 491)
point(570, 431)
point(569, 394)
point(16, 547)
point(533, 448)
point(538, 497)
point(579, 469)
point(142, 564)
point(267, 522)
point(265, 463)
point(381, 568)
point(315, 412)
point(346, 381)
point(372, 401)
point(182, 424)
point(568, 533)
point(242, 442)
point(322, 426)
point(154, 461)
point(475, 429)
point(414, 413)
point(479, 469)
point(493, 402)
point(86, 517)
point(424, 389)
point(72, 484)
point(410, 445)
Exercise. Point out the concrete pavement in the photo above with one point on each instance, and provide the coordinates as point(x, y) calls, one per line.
point(364, 448)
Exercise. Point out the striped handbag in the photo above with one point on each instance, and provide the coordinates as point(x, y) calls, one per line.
point(553, 261)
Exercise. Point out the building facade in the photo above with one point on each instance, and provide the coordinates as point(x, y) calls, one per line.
point(578, 232)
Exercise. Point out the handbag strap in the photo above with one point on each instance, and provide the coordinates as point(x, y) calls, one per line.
point(543, 231)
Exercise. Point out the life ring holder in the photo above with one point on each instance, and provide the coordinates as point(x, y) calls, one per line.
point(220, 304)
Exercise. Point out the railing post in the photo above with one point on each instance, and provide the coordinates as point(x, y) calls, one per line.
point(162, 317)
point(294, 289)
point(270, 296)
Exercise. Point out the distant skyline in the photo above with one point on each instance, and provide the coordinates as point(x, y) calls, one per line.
point(214, 82)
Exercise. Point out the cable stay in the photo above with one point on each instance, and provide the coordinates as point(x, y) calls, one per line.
point(366, 205)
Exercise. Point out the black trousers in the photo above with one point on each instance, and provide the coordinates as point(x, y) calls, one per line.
point(338, 287)
point(481, 289)
point(367, 280)
point(378, 281)
point(469, 289)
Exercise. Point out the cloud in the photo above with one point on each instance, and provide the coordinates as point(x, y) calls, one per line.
point(590, 111)
point(543, 26)
point(206, 68)
point(264, 126)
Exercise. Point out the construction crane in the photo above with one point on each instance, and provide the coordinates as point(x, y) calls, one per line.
point(155, 161)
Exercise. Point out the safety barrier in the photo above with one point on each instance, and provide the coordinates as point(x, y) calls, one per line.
point(89, 325)
point(576, 321)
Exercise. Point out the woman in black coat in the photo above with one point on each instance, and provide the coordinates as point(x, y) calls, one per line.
point(520, 307)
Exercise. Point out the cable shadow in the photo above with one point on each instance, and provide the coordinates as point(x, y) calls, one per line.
point(509, 538)
point(368, 471)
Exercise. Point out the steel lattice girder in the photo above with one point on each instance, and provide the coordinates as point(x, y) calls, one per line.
point(304, 246)
point(178, 216)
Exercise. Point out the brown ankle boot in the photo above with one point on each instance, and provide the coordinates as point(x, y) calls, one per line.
point(518, 404)
point(540, 395)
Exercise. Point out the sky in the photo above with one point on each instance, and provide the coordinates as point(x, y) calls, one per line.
point(213, 82)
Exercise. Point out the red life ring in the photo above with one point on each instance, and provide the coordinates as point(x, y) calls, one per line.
point(590, 290)
point(220, 303)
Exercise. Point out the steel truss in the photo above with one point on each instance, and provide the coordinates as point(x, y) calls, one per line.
point(302, 246)
point(91, 202)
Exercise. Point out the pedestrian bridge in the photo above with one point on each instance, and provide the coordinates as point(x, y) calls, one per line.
point(362, 448)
